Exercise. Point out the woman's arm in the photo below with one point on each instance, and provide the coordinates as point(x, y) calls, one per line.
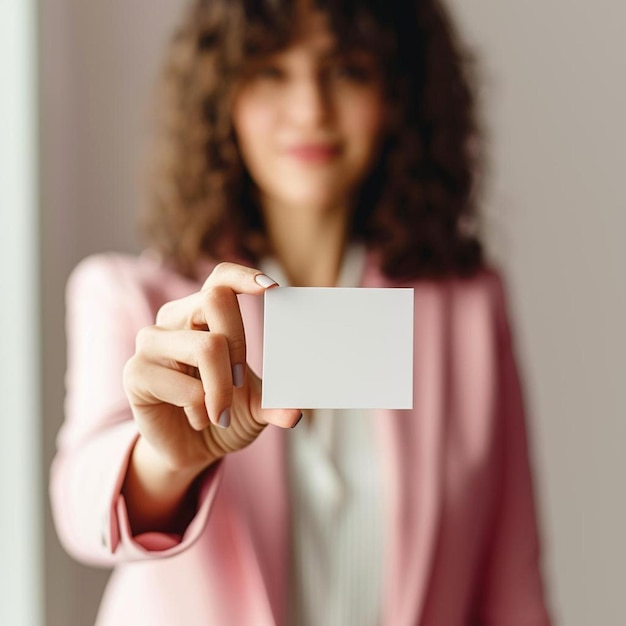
point(106, 307)
point(183, 383)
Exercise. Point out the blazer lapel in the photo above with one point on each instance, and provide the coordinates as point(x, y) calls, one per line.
point(266, 532)
point(265, 500)
point(411, 453)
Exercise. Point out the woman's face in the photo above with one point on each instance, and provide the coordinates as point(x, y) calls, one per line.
point(309, 121)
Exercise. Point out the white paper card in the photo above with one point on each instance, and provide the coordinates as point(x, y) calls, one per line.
point(338, 348)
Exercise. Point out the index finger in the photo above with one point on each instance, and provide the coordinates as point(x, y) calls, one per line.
point(239, 278)
point(215, 308)
point(190, 312)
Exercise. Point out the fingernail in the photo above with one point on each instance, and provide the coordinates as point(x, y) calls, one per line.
point(238, 375)
point(224, 420)
point(265, 281)
point(297, 421)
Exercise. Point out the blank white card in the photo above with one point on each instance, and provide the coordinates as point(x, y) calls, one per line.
point(338, 348)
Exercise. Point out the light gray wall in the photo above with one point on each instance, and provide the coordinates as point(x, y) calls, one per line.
point(98, 62)
point(554, 97)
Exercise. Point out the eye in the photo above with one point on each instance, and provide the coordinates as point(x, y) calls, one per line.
point(354, 71)
point(357, 69)
point(266, 71)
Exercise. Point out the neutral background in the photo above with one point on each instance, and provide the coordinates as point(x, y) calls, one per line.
point(554, 95)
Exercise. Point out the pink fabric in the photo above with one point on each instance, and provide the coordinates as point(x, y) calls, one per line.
point(463, 546)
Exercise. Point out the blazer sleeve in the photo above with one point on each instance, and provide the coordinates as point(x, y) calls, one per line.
point(513, 590)
point(106, 306)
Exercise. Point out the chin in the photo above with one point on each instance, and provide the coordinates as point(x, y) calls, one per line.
point(319, 194)
point(314, 201)
point(316, 205)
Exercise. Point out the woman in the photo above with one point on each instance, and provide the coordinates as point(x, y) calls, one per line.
point(311, 144)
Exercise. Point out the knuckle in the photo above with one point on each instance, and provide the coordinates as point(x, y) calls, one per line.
point(129, 372)
point(142, 339)
point(218, 271)
point(216, 296)
point(219, 398)
point(197, 416)
point(237, 345)
point(162, 313)
point(210, 345)
point(196, 397)
point(224, 270)
point(222, 267)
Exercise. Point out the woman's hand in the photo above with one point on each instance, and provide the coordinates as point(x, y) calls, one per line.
point(190, 390)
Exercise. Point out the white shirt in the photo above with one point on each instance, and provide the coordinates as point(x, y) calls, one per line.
point(336, 521)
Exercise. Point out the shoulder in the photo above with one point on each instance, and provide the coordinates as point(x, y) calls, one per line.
point(127, 272)
point(483, 301)
point(488, 279)
point(481, 297)
point(492, 281)
point(118, 280)
point(119, 269)
point(488, 283)
point(487, 289)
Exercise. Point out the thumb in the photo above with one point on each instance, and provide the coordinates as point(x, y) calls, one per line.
point(284, 418)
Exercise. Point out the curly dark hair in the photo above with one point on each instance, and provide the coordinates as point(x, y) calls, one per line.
point(418, 205)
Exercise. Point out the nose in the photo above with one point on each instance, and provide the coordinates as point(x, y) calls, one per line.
point(310, 102)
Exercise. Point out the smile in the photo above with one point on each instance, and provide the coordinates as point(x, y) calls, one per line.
point(314, 153)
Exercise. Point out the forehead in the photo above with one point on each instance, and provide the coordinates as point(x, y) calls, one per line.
point(312, 29)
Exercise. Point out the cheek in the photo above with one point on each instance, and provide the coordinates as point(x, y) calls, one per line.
point(366, 124)
point(252, 124)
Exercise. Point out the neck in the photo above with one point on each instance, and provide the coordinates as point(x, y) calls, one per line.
point(309, 245)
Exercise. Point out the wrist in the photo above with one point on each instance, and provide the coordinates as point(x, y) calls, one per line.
point(156, 467)
point(158, 496)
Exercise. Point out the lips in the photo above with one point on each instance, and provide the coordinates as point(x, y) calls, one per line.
point(313, 152)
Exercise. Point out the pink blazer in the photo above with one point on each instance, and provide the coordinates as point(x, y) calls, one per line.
point(458, 495)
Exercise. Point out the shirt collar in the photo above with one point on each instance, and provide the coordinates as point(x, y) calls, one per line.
point(350, 273)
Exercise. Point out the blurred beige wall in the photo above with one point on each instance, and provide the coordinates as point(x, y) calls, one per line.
point(98, 63)
point(554, 96)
